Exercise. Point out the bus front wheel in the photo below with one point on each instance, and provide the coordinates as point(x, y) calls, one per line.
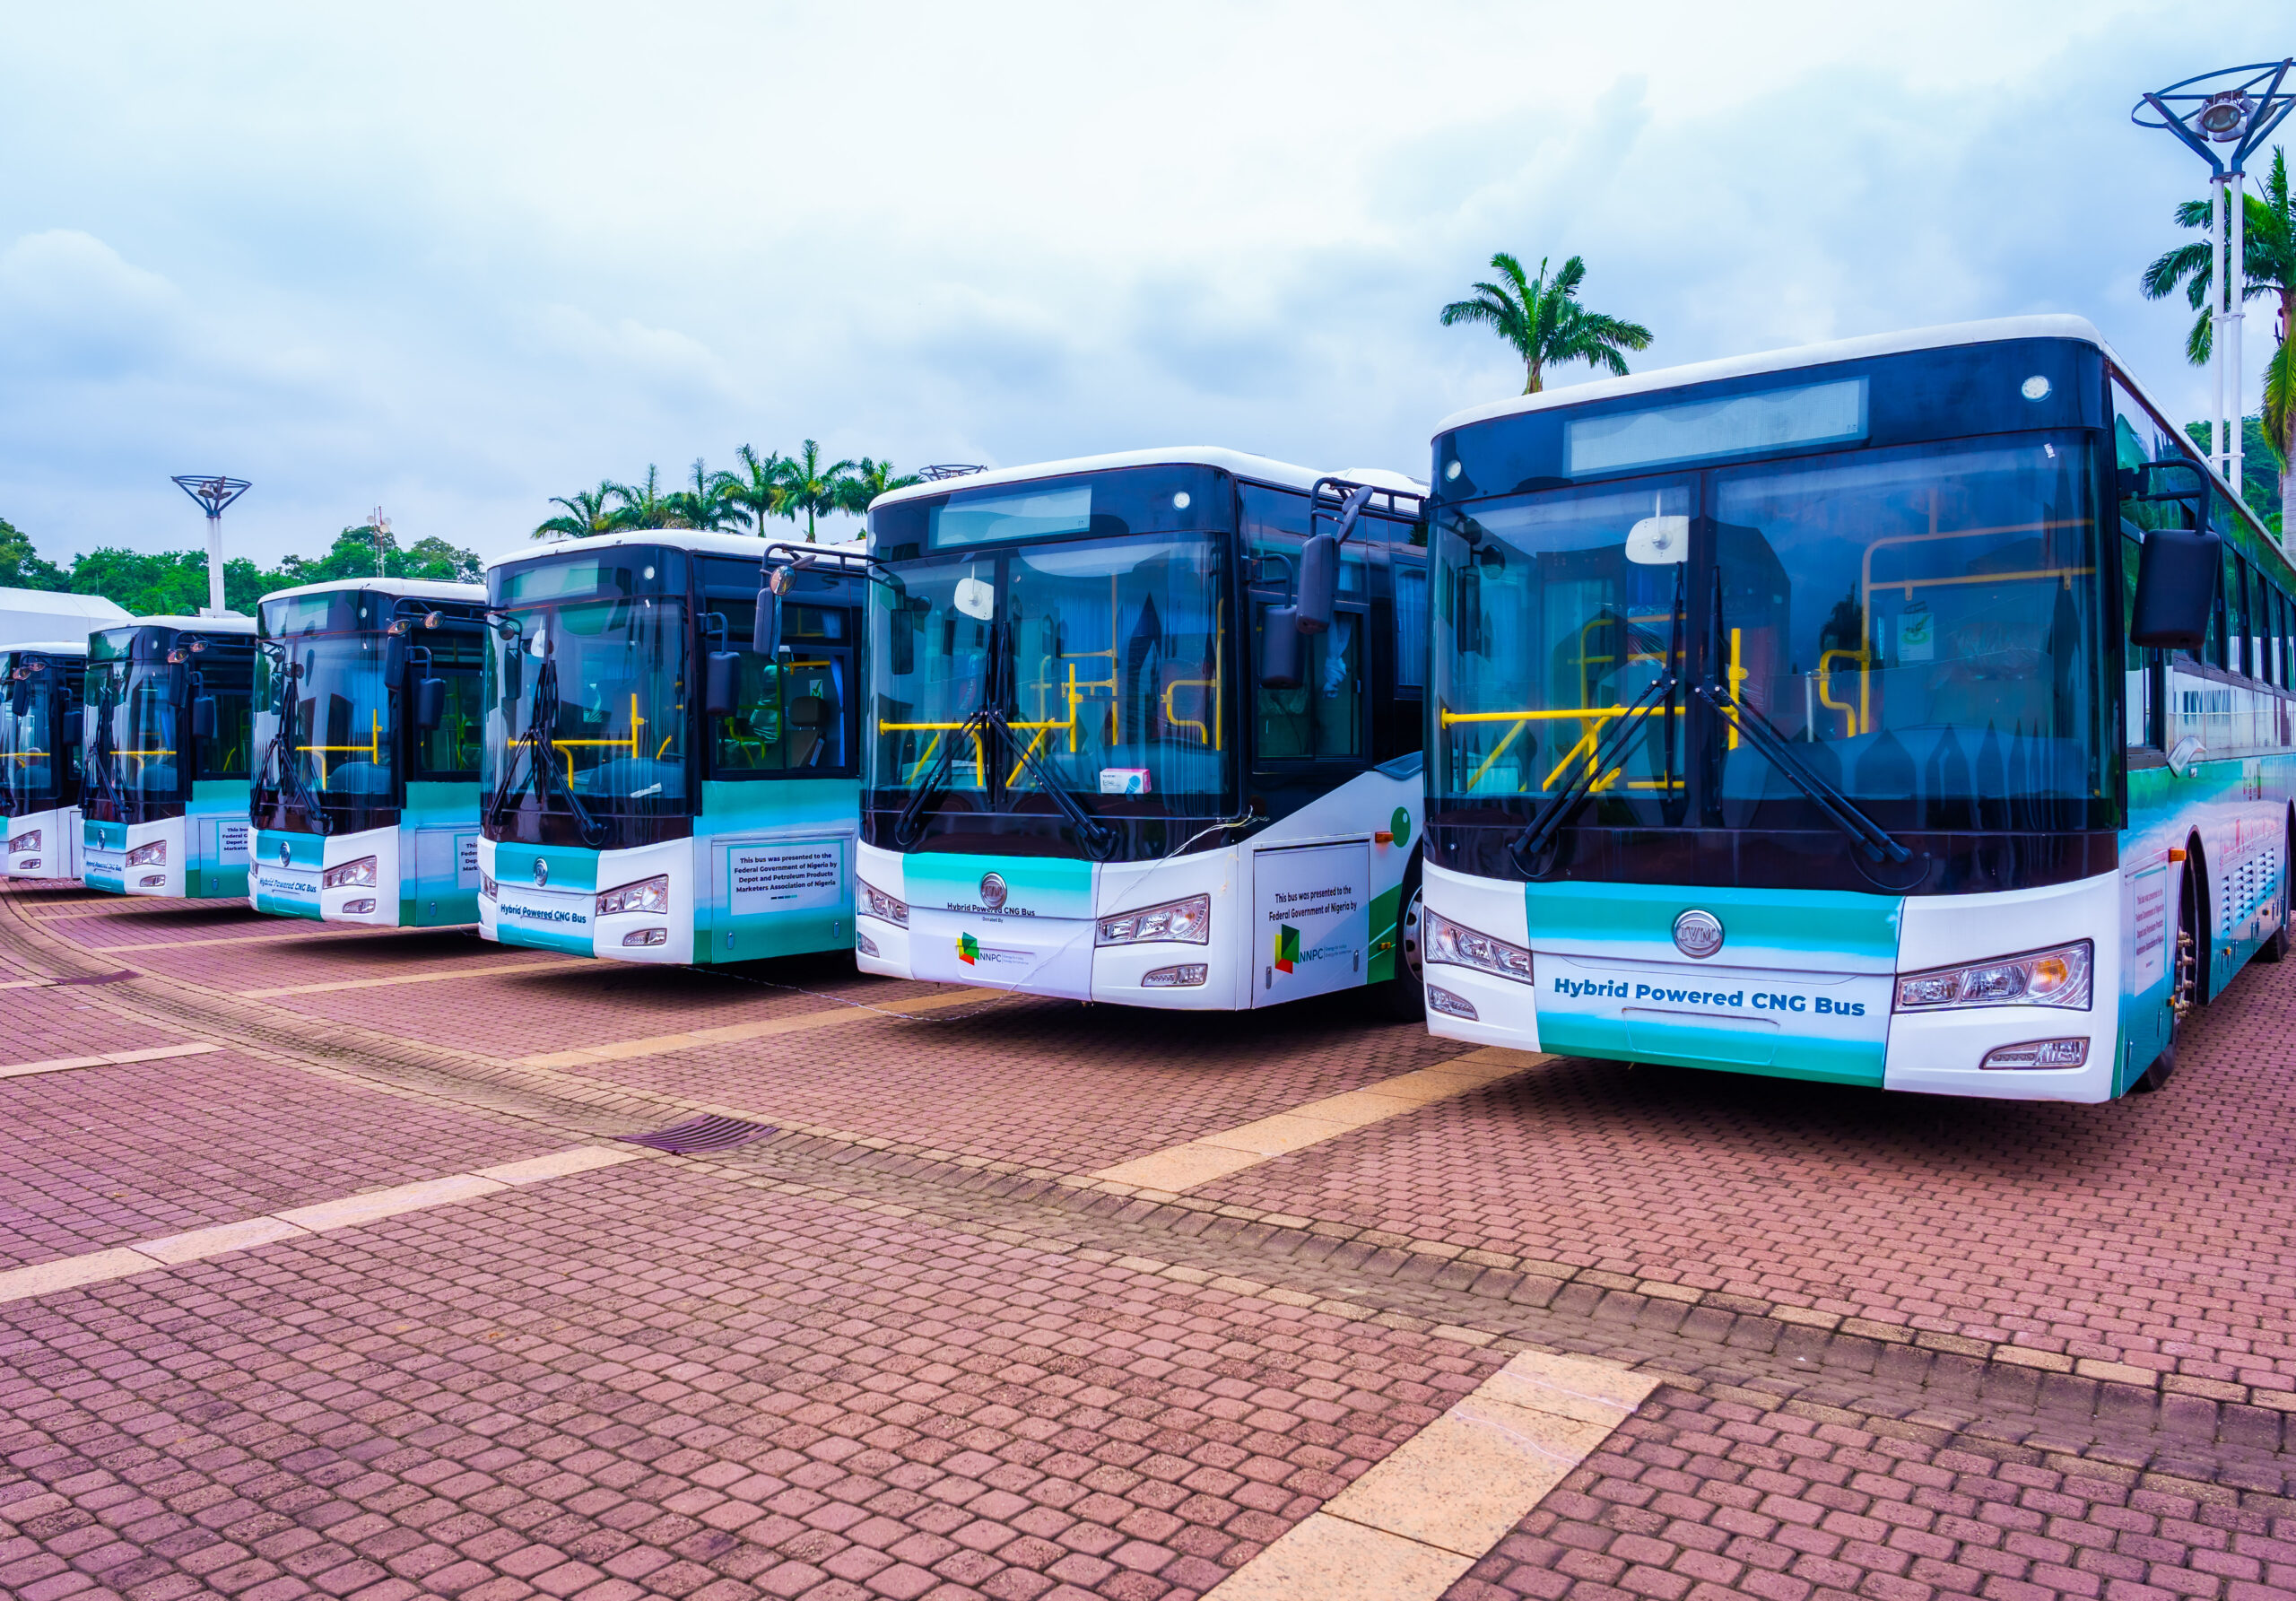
point(2185, 986)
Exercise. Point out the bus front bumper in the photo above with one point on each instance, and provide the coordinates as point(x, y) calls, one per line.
point(41, 844)
point(288, 876)
point(134, 858)
point(1604, 985)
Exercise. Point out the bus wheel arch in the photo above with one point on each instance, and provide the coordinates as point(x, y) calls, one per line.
point(1403, 997)
point(2275, 946)
point(2188, 965)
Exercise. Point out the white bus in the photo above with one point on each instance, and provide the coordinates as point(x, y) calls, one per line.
point(1911, 712)
point(39, 759)
point(1146, 728)
point(367, 733)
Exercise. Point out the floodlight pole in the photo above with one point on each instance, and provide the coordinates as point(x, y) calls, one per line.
point(214, 494)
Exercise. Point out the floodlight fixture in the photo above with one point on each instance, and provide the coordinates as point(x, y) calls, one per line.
point(2236, 109)
point(214, 491)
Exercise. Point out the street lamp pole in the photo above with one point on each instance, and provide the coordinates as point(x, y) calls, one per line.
point(2239, 107)
point(214, 494)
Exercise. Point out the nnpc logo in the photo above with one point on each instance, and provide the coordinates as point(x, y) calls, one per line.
point(967, 950)
point(1287, 947)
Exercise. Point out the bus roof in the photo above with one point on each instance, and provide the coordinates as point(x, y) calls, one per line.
point(1991, 331)
point(414, 588)
point(684, 539)
point(46, 647)
point(1243, 464)
point(231, 624)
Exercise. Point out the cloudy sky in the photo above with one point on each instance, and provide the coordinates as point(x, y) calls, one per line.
point(453, 259)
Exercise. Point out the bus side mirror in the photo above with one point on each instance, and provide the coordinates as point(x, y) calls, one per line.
point(429, 702)
point(514, 658)
point(721, 684)
point(1318, 584)
point(2176, 589)
point(19, 699)
point(178, 683)
point(765, 633)
point(902, 626)
point(394, 661)
point(202, 718)
point(1283, 648)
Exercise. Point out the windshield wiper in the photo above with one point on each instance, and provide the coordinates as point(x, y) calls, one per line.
point(1611, 749)
point(99, 758)
point(542, 714)
point(1755, 730)
point(292, 785)
point(1100, 839)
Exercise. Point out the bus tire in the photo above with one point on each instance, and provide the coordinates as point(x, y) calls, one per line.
point(2276, 947)
point(1403, 997)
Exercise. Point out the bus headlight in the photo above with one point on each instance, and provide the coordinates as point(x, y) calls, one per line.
point(485, 887)
point(875, 903)
point(154, 855)
point(2056, 977)
point(1443, 940)
point(648, 894)
point(1187, 921)
point(359, 874)
point(25, 841)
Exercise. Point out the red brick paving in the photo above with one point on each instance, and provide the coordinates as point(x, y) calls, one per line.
point(1698, 1498)
point(2158, 1231)
point(650, 1380)
point(103, 1156)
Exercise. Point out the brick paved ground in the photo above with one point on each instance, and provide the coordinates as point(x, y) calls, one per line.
point(652, 1376)
point(98, 1157)
point(1703, 1496)
point(754, 1377)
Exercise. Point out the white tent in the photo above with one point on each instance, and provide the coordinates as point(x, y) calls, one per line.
point(28, 616)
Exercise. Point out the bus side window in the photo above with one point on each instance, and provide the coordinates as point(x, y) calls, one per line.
point(1411, 629)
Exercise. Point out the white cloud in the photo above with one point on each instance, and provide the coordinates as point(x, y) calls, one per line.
point(457, 259)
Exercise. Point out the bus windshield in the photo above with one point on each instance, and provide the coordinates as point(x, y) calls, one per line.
point(615, 670)
point(1922, 624)
point(340, 741)
point(136, 734)
point(1105, 660)
point(32, 723)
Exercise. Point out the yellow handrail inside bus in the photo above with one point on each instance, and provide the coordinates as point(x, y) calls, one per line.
point(630, 745)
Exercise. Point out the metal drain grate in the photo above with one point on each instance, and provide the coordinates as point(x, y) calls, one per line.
point(702, 1133)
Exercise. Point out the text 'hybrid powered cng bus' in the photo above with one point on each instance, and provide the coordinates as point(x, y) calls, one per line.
point(164, 754)
point(367, 733)
point(1105, 760)
point(653, 789)
point(39, 759)
point(1911, 712)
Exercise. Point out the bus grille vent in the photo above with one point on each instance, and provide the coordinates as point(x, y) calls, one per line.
point(702, 1133)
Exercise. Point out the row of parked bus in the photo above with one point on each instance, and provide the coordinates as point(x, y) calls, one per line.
point(1911, 712)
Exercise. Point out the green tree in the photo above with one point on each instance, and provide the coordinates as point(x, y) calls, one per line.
point(167, 583)
point(358, 551)
point(642, 504)
point(2268, 256)
point(25, 568)
point(1544, 321)
point(755, 491)
point(808, 486)
point(706, 504)
point(586, 513)
point(868, 481)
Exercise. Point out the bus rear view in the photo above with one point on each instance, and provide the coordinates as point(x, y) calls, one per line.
point(1780, 713)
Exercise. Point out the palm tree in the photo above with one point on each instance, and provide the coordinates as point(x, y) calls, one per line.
point(809, 487)
point(705, 505)
point(2268, 254)
point(585, 514)
point(755, 491)
point(1544, 321)
point(643, 505)
point(868, 481)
